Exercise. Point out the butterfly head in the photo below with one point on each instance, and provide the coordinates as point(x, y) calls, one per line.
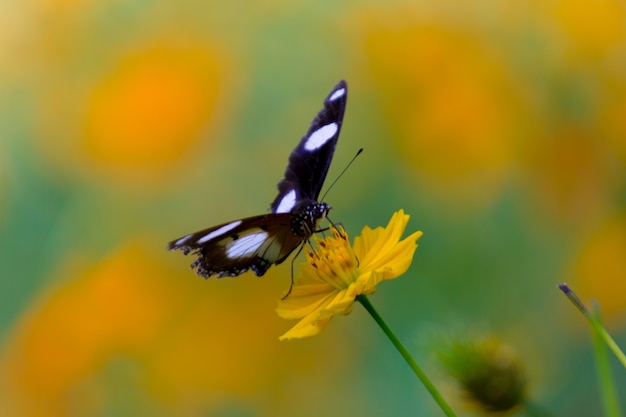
point(306, 217)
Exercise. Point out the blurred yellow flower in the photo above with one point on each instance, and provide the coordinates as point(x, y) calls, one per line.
point(453, 105)
point(564, 166)
point(133, 317)
point(137, 115)
point(153, 106)
point(336, 273)
point(593, 30)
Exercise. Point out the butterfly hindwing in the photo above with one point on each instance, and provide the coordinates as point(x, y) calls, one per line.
point(232, 248)
point(310, 160)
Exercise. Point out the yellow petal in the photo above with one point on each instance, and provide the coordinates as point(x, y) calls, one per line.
point(397, 260)
point(372, 241)
point(341, 304)
point(305, 300)
point(305, 328)
point(381, 248)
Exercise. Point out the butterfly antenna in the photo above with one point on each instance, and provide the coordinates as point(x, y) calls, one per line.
point(343, 171)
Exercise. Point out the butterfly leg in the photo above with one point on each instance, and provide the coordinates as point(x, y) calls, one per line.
point(332, 224)
point(293, 260)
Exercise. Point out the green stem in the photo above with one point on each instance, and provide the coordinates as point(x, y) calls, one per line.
point(595, 324)
point(600, 336)
point(407, 356)
point(605, 376)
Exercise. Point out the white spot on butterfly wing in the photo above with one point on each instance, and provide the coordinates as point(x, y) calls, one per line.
point(322, 135)
point(218, 232)
point(337, 94)
point(182, 240)
point(246, 245)
point(287, 202)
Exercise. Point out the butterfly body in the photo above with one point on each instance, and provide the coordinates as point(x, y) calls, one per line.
point(256, 243)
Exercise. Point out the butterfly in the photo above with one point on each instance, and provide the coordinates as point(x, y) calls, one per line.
point(256, 243)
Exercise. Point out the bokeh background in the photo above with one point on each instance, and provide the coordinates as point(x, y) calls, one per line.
point(499, 126)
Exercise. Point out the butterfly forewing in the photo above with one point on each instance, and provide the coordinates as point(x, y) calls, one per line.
point(256, 243)
point(310, 160)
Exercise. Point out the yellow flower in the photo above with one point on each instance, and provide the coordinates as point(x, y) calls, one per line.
point(336, 273)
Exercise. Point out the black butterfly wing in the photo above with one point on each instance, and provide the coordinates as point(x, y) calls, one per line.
point(259, 242)
point(310, 160)
point(232, 248)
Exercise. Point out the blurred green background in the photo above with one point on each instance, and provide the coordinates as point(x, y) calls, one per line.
point(499, 126)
